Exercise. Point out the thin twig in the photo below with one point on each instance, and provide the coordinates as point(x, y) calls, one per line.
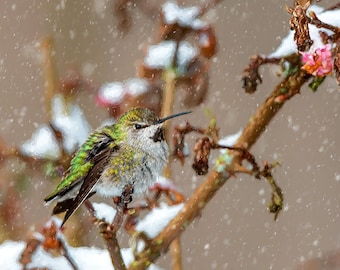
point(336, 6)
point(315, 20)
point(30, 249)
point(319, 24)
point(109, 234)
point(168, 95)
point(208, 5)
point(67, 254)
point(51, 76)
point(167, 107)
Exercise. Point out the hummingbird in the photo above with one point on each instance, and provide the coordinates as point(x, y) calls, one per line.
point(132, 152)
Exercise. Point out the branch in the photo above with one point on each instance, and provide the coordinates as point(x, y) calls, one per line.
point(289, 87)
point(109, 233)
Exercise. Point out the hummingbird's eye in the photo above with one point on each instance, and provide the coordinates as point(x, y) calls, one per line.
point(138, 126)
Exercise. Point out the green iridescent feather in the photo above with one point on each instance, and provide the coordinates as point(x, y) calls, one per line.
point(81, 163)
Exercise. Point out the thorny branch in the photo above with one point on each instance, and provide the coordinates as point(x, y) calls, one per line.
point(289, 87)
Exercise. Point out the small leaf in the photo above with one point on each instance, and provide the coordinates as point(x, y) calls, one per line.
point(316, 82)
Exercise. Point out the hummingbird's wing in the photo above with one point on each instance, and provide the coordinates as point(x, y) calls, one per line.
point(80, 166)
point(85, 170)
point(99, 160)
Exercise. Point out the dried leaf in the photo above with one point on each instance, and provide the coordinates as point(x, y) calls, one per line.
point(207, 42)
point(299, 23)
point(202, 153)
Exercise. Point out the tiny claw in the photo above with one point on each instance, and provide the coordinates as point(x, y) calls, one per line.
point(126, 196)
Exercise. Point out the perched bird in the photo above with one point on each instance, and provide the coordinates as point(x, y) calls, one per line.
point(131, 152)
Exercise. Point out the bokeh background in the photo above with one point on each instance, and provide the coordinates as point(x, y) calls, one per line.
point(235, 230)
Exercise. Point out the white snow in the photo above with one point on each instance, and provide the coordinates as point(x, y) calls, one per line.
point(57, 221)
point(160, 56)
point(337, 177)
point(288, 45)
point(184, 16)
point(104, 212)
point(229, 140)
point(155, 221)
point(186, 53)
point(43, 259)
point(9, 255)
point(43, 144)
point(186, 150)
point(166, 183)
point(136, 87)
point(69, 119)
point(225, 159)
point(86, 258)
point(112, 93)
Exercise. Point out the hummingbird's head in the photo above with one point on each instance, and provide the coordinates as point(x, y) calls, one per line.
point(144, 129)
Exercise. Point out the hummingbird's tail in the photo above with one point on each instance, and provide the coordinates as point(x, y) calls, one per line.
point(71, 205)
point(69, 199)
point(62, 206)
point(65, 205)
point(64, 193)
point(86, 189)
point(85, 171)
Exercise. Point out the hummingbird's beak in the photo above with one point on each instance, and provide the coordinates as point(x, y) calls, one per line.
point(160, 121)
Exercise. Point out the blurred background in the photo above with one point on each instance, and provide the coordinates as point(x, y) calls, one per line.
point(235, 230)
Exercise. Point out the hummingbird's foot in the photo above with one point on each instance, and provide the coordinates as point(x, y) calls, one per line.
point(121, 206)
point(126, 196)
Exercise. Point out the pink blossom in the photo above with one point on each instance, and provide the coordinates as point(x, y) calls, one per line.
point(318, 63)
